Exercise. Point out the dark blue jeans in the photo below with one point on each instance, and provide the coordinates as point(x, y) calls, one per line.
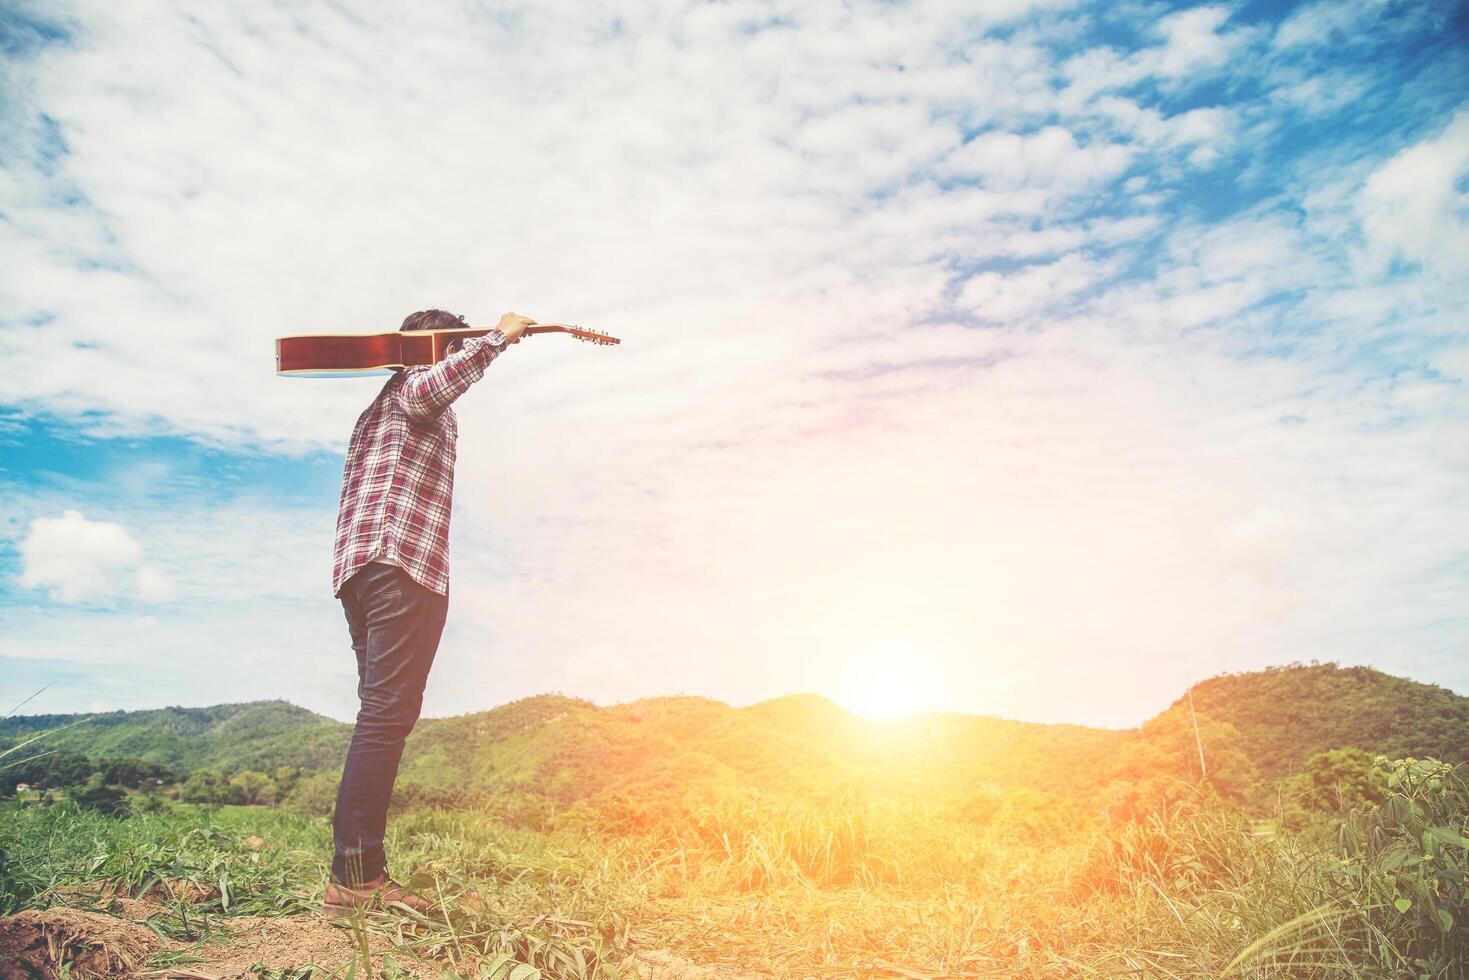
point(395, 625)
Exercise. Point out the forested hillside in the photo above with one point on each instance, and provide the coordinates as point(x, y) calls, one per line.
point(659, 755)
point(1285, 715)
point(257, 735)
point(643, 759)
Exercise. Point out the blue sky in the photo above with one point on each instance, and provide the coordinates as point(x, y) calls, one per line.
point(1034, 358)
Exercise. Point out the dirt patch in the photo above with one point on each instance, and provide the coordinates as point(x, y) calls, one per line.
point(91, 945)
point(278, 944)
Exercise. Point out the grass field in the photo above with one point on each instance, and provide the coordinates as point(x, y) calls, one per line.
point(792, 888)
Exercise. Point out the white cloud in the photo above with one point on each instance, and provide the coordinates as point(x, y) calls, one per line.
point(1195, 42)
point(76, 559)
point(1194, 46)
point(1416, 205)
point(1034, 288)
point(1325, 22)
point(1049, 157)
point(154, 586)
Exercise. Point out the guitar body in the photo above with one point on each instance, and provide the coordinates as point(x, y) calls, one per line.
point(356, 355)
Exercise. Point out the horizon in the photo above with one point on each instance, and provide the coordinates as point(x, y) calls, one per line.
point(1034, 361)
point(879, 720)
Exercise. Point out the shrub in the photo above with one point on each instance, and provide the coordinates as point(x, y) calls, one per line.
point(1405, 869)
point(255, 787)
point(1392, 901)
point(1338, 781)
point(314, 793)
point(97, 795)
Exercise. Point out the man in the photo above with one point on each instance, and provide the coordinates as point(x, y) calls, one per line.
point(391, 573)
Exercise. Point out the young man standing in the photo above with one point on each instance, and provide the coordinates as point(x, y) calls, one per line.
point(391, 573)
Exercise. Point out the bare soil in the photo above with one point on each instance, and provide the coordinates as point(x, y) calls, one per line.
point(93, 945)
point(278, 943)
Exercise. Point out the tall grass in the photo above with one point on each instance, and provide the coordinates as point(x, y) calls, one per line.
point(743, 843)
point(1018, 886)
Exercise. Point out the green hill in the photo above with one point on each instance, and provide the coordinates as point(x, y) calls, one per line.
point(256, 735)
point(673, 747)
point(667, 752)
point(1284, 715)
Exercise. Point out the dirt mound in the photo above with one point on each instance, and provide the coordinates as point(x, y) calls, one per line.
point(88, 944)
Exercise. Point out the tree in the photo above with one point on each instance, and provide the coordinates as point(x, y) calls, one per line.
point(133, 772)
point(97, 795)
point(203, 786)
point(1337, 781)
point(67, 770)
point(255, 787)
point(314, 792)
point(1162, 764)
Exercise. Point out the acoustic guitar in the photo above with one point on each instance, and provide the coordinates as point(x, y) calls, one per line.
point(346, 355)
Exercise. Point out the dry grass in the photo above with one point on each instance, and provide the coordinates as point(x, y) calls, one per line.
point(849, 889)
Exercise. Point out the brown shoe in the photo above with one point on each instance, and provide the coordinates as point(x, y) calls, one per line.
point(371, 896)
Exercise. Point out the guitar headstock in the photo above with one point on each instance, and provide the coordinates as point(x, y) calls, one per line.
point(590, 336)
point(594, 337)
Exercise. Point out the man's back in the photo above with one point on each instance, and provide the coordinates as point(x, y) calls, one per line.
point(398, 480)
point(397, 492)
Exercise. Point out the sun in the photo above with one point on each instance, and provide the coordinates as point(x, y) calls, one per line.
point(887, 684)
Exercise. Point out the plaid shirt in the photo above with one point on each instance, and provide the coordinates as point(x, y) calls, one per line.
point(398, 483)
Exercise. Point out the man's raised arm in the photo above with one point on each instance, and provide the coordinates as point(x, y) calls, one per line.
point(427, 391)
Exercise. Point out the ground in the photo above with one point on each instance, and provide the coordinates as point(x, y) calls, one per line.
point(96, 933)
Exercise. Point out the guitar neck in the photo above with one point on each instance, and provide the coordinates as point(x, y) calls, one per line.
point(591, 336)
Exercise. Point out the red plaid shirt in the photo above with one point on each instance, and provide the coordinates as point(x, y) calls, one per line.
point(398, 483)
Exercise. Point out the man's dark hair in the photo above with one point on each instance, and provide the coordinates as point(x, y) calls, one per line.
point(433, 320)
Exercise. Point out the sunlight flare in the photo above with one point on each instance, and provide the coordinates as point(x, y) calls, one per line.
point(891, 681)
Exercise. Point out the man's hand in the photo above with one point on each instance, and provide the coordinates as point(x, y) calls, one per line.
point(512, 325)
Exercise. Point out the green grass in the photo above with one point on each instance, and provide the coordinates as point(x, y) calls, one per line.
point(1004, 886)
point(49, 847)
